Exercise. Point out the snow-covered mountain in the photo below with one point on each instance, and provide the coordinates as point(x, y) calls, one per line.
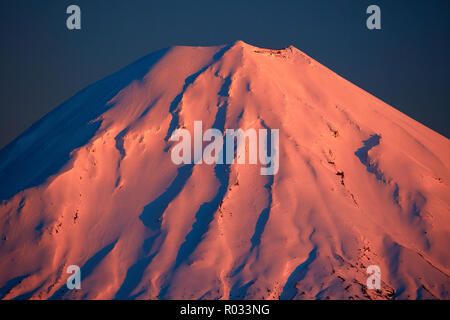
point(93, 184)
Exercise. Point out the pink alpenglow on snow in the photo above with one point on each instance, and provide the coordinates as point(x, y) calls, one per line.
point(246, 147)
point(93, 184)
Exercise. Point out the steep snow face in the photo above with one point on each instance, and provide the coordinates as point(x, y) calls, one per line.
point(92, 184)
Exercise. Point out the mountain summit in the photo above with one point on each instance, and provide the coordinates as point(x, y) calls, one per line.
point(92, 184)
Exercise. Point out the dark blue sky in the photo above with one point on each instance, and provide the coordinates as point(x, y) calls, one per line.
point(42, 64)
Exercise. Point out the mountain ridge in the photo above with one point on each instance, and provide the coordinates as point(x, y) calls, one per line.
point(92, 184)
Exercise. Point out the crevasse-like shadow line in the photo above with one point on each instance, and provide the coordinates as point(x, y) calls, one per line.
point(45, 147)
point(260, 226)
point(119, 138)
point(133, 278)
point(238, 291)
point(11, 284)
point(363, 153)
point(263, 217)
point(86, 269)
point(203, 218)
point(151, 217)
point(173, 109)
point(152, 214)
point(205, 214)
point(298, 274)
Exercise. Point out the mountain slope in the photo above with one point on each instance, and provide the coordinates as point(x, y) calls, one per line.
point(92, 184)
